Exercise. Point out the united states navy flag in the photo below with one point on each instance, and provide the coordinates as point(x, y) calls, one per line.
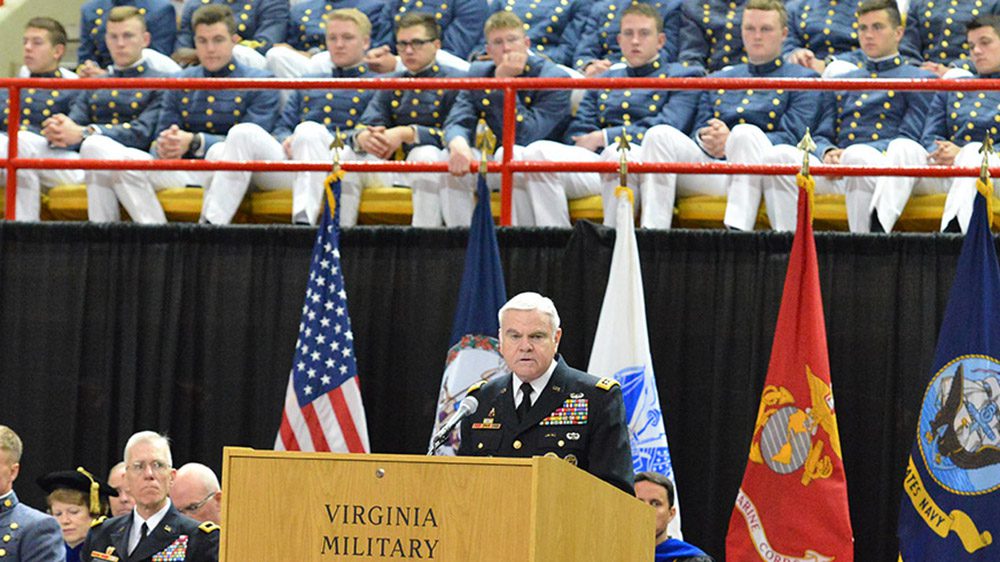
point(474, 355)
point(951, 488)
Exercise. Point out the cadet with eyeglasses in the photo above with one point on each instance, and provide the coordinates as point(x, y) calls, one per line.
point(154, 529)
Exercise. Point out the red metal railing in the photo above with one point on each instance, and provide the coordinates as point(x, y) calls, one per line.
point(507, 167)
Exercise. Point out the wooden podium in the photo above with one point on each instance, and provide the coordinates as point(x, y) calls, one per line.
point(302, 507)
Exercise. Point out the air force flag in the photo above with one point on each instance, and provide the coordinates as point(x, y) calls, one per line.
point(621, 351)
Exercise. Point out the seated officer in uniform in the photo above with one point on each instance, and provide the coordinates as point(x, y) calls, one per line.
point(541, 114)
point(710, 34)
point(154, 530)
point(76, 500)
point(408, 124)
point(93, 52)
point(735, 125)
point(105, 122)
point(545, 407)
point(260, 25)
point(122, 503)
point(304, 51)
point(44, 44)
point(197, 494)
point(658, 491)
point(594, 132)
point(312, 117)
point(934, 29)
point(956, 124)
point(598, 47)
point(29, 534)
point(857, 126)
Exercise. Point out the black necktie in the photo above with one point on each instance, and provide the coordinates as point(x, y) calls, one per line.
point(144, 530)
point(525, 405)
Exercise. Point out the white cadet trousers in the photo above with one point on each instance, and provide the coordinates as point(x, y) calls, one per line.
point(548, 192)
point(106, 188)
point(892, 193)
point(664, 143)
point(458, 194)
point(223, 195)
point(311, 141)
point(30, 183)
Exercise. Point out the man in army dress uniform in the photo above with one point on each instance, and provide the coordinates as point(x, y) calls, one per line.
point(26, 534)
point(545, 407)
point(154, 528)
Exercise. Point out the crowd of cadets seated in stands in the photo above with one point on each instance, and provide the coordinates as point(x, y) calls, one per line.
point(360, 38)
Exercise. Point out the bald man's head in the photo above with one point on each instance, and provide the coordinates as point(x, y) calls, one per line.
point(197, 494)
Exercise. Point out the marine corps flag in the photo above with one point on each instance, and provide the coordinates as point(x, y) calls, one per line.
point(474, 355)
point(792, 505)
point(951, 487)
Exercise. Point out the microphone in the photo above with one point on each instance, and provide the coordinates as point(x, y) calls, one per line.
point(469, 404)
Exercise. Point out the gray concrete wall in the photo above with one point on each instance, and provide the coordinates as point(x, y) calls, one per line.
point(14, 14)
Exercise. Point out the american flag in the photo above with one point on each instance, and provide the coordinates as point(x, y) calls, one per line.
point(323, 409)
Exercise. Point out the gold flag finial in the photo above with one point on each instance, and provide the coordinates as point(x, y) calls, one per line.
point(336, 145)
point(623, 148)
point(806, 145)
point(486, 148)
point(985, 184)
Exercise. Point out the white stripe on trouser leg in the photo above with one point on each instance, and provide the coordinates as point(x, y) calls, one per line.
point(426, 187)
point(245, 141)
point(549, 191)
point(664, 143)
point(962, 193)
point(132, 188)
point(860, 189)
point(746, 144)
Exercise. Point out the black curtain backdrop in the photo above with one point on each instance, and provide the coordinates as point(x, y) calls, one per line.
point(189, 330)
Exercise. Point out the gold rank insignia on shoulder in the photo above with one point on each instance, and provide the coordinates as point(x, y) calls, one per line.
point(97, 522)
point(606, 384)
point(108, 555)
point(475, 387)
point(208, 527)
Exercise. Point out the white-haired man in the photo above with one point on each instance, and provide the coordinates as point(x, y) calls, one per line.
point(197, 493)
point(154, 529)
point(545, 407)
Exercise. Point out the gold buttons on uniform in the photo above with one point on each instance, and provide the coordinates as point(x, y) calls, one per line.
point(479, 446)
point(517, 445)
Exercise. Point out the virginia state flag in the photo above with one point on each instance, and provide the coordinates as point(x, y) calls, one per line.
point(621, 351)
point(474, 355)
point(792, 504)
point(951, 489)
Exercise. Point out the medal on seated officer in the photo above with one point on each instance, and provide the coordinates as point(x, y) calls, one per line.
point(542, 406)
point(76, 500)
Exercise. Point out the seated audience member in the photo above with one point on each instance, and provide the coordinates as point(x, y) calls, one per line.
point(956, 124)
point(304, 51)
point(214, 125)
point(32, 535)
point(709, 35)
point(934, 29)
point(260, 25)
point(822, 31)
point(658, 491)
point(604, 114)
point(735, 125)
point(105, 122)
point(154, 528)
point(406, 124)
point(553, 26)
point(598, 47)
point(122, 503)
point(93, 53)
point(43, 46)
point(541, 114)
point(76, 500)
point(312, 117)
point(857, 126)
point(197, 494)
point(461, 24)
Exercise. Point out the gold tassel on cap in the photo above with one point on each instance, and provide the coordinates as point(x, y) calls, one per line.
point(95, 492)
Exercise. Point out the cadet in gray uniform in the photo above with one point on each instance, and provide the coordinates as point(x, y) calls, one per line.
point(28, 534)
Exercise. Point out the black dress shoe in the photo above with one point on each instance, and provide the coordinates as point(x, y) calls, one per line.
point(953, 226)
point(876, 225)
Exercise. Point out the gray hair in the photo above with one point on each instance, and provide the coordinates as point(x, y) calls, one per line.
point(153, 438)
point(202, 474)
point(531, 301)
